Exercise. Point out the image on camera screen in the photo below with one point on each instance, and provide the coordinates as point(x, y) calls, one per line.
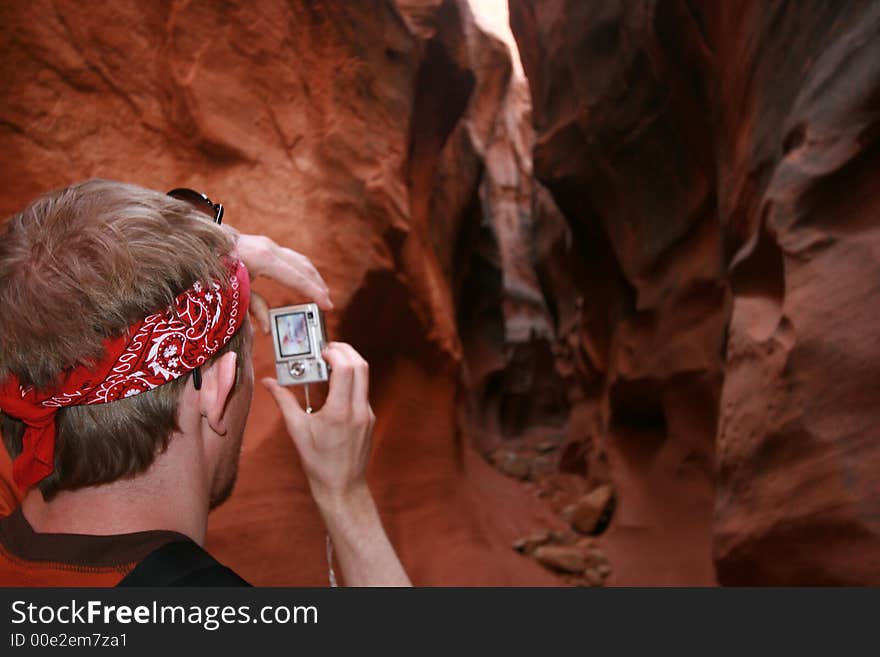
point(293, 335)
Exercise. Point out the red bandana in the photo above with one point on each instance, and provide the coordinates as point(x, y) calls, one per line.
point(161, 348)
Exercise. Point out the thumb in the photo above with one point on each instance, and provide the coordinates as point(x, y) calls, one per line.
point(294, 416)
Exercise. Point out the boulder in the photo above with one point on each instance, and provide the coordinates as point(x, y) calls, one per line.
point(585, 514)
point(564, 558)
point(528, 544)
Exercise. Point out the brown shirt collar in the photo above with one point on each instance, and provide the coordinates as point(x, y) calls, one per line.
point(20, 539)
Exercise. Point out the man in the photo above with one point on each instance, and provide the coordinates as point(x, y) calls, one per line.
point(126, 382)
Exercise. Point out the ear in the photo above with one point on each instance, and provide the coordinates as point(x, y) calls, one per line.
point(218, 381)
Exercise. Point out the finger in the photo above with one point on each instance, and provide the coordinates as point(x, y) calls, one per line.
point(341, 379)
point(297, 272)
point(360, 388)
point(294, 416)
point(260, 311)
point(264, 257)
point(307, 286)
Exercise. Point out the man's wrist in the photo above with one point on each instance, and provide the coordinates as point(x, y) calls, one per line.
point(354, 502)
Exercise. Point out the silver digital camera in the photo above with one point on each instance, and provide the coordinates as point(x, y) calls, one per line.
point(298, 335)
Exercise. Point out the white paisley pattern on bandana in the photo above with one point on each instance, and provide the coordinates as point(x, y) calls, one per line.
point(169, 344)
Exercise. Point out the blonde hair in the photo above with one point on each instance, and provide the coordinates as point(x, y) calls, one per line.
point(80, 265)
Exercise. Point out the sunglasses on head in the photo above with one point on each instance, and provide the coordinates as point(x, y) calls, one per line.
point(200, 202)
point(214, 210)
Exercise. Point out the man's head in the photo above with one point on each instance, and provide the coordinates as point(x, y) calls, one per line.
point(79, 266)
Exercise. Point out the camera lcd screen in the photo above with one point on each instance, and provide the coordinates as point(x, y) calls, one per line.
point(293, 335)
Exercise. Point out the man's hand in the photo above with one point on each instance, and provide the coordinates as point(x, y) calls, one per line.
point(263, 257)
point(334, 445)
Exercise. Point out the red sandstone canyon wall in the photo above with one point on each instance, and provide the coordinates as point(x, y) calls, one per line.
point(716, 274)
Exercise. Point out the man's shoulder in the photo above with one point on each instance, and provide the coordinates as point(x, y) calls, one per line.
point(181, 563)
point(155, 558)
